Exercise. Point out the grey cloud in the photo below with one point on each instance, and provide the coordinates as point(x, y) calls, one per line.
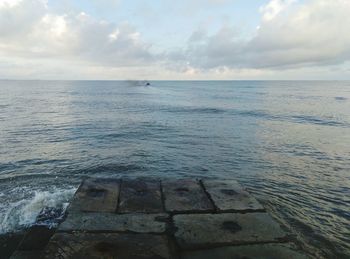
point(314, 34)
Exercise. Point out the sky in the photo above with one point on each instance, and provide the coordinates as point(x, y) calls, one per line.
point(175, 40)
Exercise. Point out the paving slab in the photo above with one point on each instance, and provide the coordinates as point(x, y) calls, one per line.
point(203, 230)
point(230, 196)
point(109, 222)
point(34, 254)
point(36, 238)
point(261, 251)
point(140, 196)
point(84, 245)
point(96, 195)
point(185, 196)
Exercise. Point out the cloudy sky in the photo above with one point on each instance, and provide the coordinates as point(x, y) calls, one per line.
point(167, 39)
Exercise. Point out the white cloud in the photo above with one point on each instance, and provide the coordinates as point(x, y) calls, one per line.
point(275, 7)
point(28, 29)
point(313, 34)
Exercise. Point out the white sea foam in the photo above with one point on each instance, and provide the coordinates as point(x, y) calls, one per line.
point(23, 213)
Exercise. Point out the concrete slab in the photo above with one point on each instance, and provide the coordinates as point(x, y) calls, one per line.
point(36, 238)
point(185, 196)
point(140, 196)
point(34, 254)
point(84, 245)
point(96, 195)
point(108, 222)
point(203, 230)
point(261, 251)
point(230, 196)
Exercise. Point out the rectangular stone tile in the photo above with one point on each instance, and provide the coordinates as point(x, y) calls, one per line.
point(109, 222)
point(230, 196)
point(96, 195)
point(140, 196)
point(203, 230)
point(261, 251)
point(36, 238)
point(87, 245)
point(34, 254)
point(185, 196)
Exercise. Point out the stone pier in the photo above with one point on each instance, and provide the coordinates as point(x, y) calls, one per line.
point(145, 218)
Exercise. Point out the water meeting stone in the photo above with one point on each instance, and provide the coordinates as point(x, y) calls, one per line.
point(202, 230)
point(261, 251)
point(126, 219)
point(185, 196)
point(96, 195)
point(230, 196)
point(140, 196)
point(87, 245)
point(109, 222)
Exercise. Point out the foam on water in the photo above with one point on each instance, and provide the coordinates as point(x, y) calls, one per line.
point(23, 213)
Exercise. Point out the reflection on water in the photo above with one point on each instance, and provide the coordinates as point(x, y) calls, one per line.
point(288, 142)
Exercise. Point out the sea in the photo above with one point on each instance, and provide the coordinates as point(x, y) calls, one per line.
point(287, 142)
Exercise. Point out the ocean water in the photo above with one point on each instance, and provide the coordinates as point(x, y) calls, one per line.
point(288, 142)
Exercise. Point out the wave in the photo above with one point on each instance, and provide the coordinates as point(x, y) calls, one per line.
point(23, 213)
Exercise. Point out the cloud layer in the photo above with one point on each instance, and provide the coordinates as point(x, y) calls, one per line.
point(291, 35)
point(303, 35)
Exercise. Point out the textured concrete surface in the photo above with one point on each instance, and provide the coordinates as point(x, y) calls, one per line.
point(185, 196)
point(82, 245)
point(35, 254)
point(109, 222)
point(261, 251)
point(161, 219)
point(96, 195)
point(140, 196)
point(203, 230)
point(230, 196)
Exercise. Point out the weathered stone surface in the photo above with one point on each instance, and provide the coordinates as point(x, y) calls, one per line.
point(36, 238)
point(34, 254)
point(140, 196)
point(261, 251)
point(64, 245)
point(108, 222)
point(230, 196)
point(201, 230)
point(96, 195)
point(185, 196)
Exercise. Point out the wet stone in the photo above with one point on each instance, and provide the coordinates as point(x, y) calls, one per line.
point(140, 196)
point(84, 245)
point(230, 196)
point(34, 254)
point(96, 195)
point(261, 251)
point(185, 196)
point(203, 230)
point(108, 222)
point(36, 238)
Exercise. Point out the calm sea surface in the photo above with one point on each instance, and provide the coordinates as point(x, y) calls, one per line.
point(288, 142)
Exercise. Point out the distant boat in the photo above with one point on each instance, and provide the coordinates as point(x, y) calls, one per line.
point(148, 84)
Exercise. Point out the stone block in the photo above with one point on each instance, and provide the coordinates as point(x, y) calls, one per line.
point(109, 222)
point(185, 196)
point(205, 230)
point(261, 251)
point(34, 254)
point(140, 196)
point(96, 195)
point(86, 245)
point(230, 196)
point(36, 238)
